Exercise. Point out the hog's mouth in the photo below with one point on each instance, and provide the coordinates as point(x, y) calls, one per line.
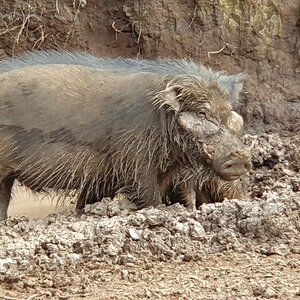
point(231, 177)
point(233, 169)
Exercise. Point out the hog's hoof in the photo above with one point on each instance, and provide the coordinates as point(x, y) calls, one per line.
point(3, 216)
point(79, 211)
point(191, 208)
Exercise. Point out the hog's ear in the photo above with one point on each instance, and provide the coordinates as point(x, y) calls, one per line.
point(239, 81)
point(200, 127)
point(170, 96)
point(234, 85)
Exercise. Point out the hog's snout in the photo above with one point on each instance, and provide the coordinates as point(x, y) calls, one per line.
point(237, 164)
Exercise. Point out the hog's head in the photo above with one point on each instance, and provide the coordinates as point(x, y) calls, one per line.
point(208, 126)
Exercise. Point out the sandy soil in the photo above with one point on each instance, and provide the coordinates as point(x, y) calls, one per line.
point(224, 276)
point(32, 205)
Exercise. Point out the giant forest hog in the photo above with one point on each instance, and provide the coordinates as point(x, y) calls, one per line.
point(100, 131)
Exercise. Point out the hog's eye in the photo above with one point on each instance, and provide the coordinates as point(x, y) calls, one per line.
point(210, 128)
point(202, 115)
point(200, 126)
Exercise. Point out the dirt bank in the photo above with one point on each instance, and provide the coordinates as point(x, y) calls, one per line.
point(259, 37)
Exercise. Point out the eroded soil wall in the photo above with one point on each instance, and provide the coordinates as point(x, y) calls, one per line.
point(259, 37)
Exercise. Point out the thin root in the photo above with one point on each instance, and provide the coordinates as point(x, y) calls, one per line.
point(193, 18)
point(57, 7)
point(118, 31)
point(216, 52)
point(41, 39)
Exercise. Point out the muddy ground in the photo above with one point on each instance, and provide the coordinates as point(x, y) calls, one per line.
point(231, 250)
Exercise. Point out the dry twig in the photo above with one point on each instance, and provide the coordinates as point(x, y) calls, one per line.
point(57, 7)
point(137, 35)
point(41, 39)
point(118, 31)
point(193, 18)
point(81, 4)
point(7, 29)
point(54, 40)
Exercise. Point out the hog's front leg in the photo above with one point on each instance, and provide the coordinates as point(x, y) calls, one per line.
point(188, 192)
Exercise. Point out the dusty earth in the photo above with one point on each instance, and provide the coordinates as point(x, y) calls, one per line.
point(231, 250)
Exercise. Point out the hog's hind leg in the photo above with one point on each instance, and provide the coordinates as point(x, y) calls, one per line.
point(6, 184)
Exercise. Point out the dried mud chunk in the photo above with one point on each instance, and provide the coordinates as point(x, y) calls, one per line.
point(296, 185)
point(181, 228)
point(134, 234)
point(6, 264)
point(270, 293)
point(250, 226)
point(125, 259)
point(113, 208)
point(154, 217)
point(137, 219)
point(197, 232)
point(98, 208)
point(111, 249)
point(226, 240)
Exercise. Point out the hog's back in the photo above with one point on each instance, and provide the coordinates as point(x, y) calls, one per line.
point(80, 104)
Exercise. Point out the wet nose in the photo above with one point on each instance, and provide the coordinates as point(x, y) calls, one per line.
point(235, 167)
